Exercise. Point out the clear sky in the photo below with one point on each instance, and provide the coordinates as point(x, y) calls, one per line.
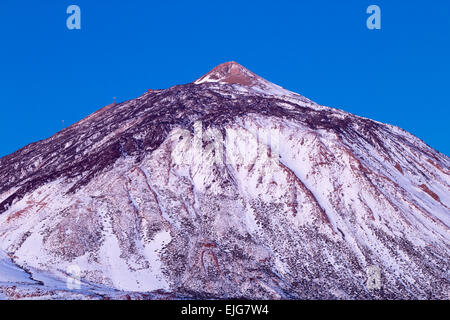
point(321, 49)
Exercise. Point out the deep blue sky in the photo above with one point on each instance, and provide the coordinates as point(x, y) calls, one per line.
point(321, 49)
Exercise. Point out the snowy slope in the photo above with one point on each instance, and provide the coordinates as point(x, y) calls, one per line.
point(227, 187)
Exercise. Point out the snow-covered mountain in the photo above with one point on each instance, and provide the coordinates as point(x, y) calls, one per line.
point(227, 187)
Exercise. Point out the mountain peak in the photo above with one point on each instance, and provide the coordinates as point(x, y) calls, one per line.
point(233, 73)
point(230, 72)
point(254, 188)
